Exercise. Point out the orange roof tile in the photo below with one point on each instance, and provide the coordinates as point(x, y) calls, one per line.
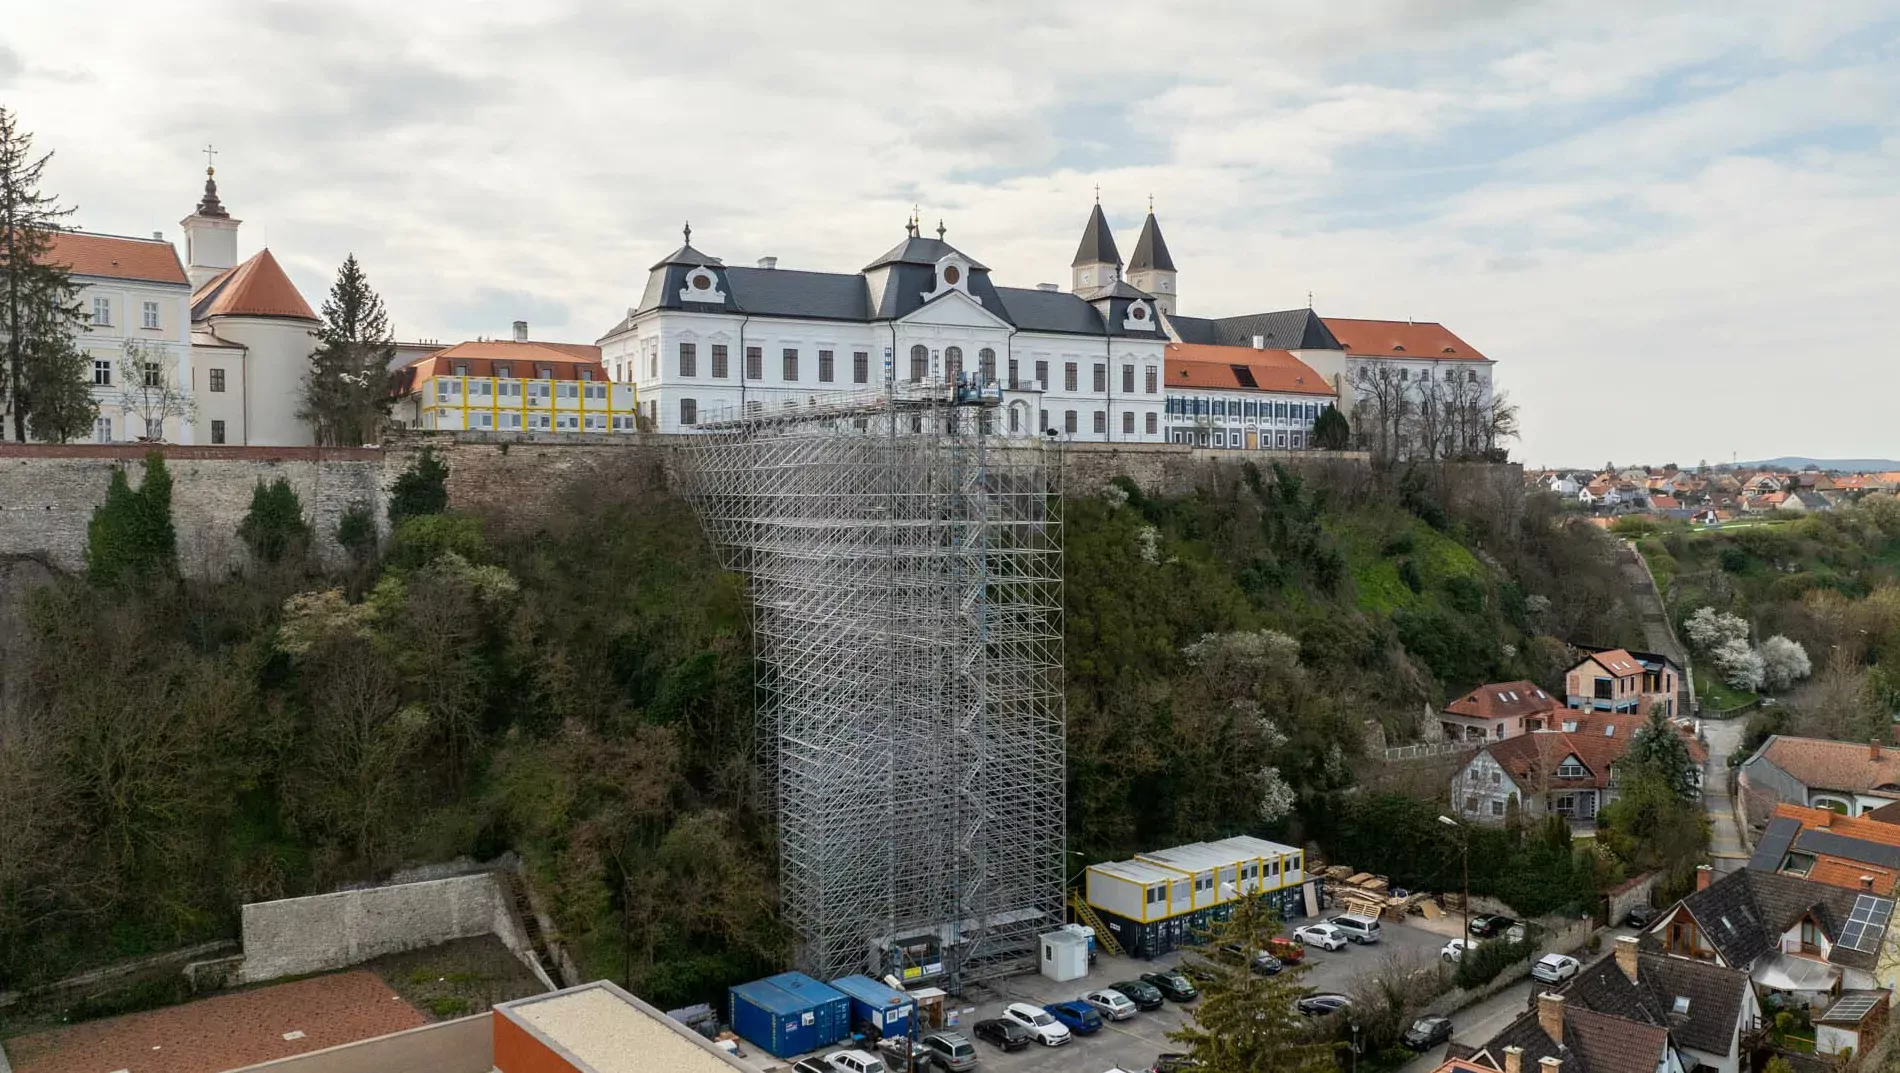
point(1424, 340)
point(1616, 661)
point(564, 361)
point(1501, 700)
point(1860, 827)
point(114, 257)
point(256, 288)
point(1840, 872)
point(1824, 764)
point(1218, 368)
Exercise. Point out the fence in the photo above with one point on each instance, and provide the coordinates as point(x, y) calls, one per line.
point(1426, 749)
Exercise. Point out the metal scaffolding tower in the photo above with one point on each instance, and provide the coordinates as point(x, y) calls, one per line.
point(905, 569)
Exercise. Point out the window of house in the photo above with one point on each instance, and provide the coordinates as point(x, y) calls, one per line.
point(1128, 421)
point(1810, 937)
point(1497, 778)
point(151, 315)
point(154, 428)
point(1101, 378)
point(102, 430)
point(545, 372)
point(152, 374)
point(511, 422)
point(1128, 379)
point(101, 372)
point(754, 363)
point(1101, 421)
point(102, 311)
point(689, 411)
point(919, 362)
point(986, 364)
point(1152, 422)
point(1471, 803)
point(689, 359)
point(1605, 689)
point(1042, 377)
point(1068, 376)
point(1497, 808)
point(217, 379)
point(504, 370)
point(952, 363)
point(791, 364)
point(720, 362)
point(826, 367)
point(1042, 421)
point(1068, 421)
point(1015, 419)
point(587, 374)
point(217, 431)
point(1153, 380)
point(1015, 369)
point(1570, 769)
point(861, 367)
point(1471, 376)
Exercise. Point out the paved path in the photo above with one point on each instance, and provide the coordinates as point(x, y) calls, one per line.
point(1725, 829)
point(1478, 1023)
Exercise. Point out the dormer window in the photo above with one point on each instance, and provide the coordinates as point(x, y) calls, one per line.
point(1138, 313)
point(951, 274)
point(1139, 318)
point(702, 285)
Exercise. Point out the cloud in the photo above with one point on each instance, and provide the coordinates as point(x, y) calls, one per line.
point(1675, 200)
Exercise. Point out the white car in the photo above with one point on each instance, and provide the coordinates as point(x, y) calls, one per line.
point(1455, 950)
point(1049, 1031)
point(1555, 968)
point(1324, 936)
point(1111, 1004)
point(855, 1062)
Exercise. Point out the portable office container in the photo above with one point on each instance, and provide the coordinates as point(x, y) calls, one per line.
point(885, 1009)
point(1136, 891)
point(1273, 866)
point(1065, 955)
point(1212, 872)
point(777, 1021)
point(831, 1006)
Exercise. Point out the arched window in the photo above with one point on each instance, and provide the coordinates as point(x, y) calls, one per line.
point(952, 362)
point(986, 363)
point(919, 362)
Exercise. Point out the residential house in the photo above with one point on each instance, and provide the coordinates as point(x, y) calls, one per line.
point(1805, 501)
point(1707, 1008)
point(1765, 503)
point(1497, 711)
point(517, 385)
point(1817, 844)
point(1566, 770)
point(1854, 1023)
point(1764, 483)
point(1842, 776)
point(1800, 941)
point(1554, 1037)
point(1618, 680)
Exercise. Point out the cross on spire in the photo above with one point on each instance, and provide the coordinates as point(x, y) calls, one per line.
point(1098, 193)
point(1151, 204)
point(940, 229)
point(209, 153)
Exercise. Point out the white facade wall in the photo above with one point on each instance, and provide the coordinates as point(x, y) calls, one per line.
point(169, 343)
point(223, 367)
point(1482, 791)
point(1235, 427)
point(277, 355)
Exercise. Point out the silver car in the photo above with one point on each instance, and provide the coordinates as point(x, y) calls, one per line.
point(948, 1051)
point(1111, 1004)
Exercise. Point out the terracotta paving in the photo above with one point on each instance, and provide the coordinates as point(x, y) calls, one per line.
point(224, 1031)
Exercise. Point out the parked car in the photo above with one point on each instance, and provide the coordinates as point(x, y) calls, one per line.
point(855, 1062)
point(1324, 936)
point(1143, 994)
point(1555, 968)
point(1176, 987)
point(1077, 1016)
point(1112, 1004)
point(1454, 951)
point(1287, 950)
point(998, 1032)
point(1490, 925)
point(1641, 916)
point(1174, 1062)
point(1426, 1033)
point(950, 1052)
point(812, 1065)
point(897, 1051)
point(1322, 1004)
point(1040, 1023)
point(1258, 960)
point(1361, 930)
point(1198, 972)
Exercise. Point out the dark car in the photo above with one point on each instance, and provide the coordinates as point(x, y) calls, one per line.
point(1174, 1062)
point(1259, 960)
point(1641, 916)
point(1143, 994)
point(1426, 1033)
point(1489, 926)
point(1173, 985)
point(1199, 973)
point(997, 1032)
point(1322, 1004)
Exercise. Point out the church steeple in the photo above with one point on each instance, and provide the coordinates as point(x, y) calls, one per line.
point(1151, 268)
point(1097, 262)
point(210, 235)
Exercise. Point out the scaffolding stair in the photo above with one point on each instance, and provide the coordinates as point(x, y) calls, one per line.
point(1085, 913)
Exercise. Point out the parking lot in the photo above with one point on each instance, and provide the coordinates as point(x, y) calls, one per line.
point(1134, 1044)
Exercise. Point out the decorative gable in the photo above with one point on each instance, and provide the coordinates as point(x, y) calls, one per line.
point(954, 308)
point(1140, 317)
point(702, 285)
point(952, 274)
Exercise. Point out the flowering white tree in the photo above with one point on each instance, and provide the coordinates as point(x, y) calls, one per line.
point(1739, 665)
point(1709, 629)
point(1784, 662)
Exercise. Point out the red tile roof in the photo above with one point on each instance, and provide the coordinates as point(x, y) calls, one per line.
point(1504, 700)
point(1537, 755)
point(1860, 827)
point(1423, 340)
point(256, 288)
point(1617, 661)
point(1217, 368)
point(115, 257)
point(525, 361)
point(1821, 764)
point(225, 1031)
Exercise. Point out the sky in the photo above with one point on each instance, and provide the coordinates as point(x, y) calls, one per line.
point(1675, 227)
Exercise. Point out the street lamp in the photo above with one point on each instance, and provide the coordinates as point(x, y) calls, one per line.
point(1464, 845)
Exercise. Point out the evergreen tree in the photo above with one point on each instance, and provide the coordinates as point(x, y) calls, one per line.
point(421, 489)
point(275, 526)
point(1245, 1022)
point(131, 537)
point(346, 393)
point(356, 531)
point(1330, 431)
point(1658, 748)
point(39, 307)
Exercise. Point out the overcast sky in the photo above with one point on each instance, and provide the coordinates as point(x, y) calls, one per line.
point(1677, 233)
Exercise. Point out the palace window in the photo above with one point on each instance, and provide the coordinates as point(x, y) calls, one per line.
point(101, 373)
point(791, 364)
point(217, 379)
point(754, 363)
point(151, 314)
point(102, 312)
point(986, 364)
point(1153, 377)
point(861, 367)
point(1151, 422)
point(1068, 376)
point(952, 361)
point(720, 369)
point(826, 367)
point(689, 411)
point(1042, 379)
point(1128, 421)
point(1068, 420)
point(689, 360)
point(217, 432)
point(1128, 379)
point(1101, 378)
point(919, 362)
point(1101, 421)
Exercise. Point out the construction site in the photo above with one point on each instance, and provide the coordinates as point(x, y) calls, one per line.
point(904, 565)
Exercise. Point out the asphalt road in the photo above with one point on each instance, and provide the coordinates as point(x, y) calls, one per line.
point(1726, 846)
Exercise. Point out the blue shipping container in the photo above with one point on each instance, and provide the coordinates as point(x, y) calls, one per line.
point(828, 1005)
point(881, 1007)
point(775, 1020)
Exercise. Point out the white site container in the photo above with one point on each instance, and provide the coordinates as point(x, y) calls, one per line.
point(1065, 956)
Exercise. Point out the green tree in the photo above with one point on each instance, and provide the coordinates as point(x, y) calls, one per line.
point(44, 378)
point(274, 527)
point(1245, 1022)
point(356, 531)
point(421, 489)
point(1331, 432)
point(1657, 747)
point(346, 392)
point(131, 537)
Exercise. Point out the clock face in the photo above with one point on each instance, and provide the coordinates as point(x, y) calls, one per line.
point(951, 275)
point(1139, 313)
point(701, 283)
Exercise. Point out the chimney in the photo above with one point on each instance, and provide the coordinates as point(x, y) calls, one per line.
point(521, 331)
point(1626, 956)
point(1867, 882)
point(1513, 1060)
point(1052, 287)
point(158, 236)
point(1551, 1065)
point(768, 263)
point(1703, 876)
point(1550, 1016)
point(1260, 342)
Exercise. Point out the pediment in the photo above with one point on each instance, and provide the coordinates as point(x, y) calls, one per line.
point(954, 309)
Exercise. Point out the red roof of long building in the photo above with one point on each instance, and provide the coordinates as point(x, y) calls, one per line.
point(256, 288)
point(116, 257)
point(1424, 340)
point(1229, 368)
point(1501, 700)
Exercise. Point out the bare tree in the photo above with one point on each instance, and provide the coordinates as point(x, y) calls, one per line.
point(1429, 426)
point(1379, 413)
point(150, 391)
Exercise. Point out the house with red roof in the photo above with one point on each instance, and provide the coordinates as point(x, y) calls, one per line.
point(1498, 710)
point(1564, 770)
point(1242, 398)
point(1619, 680)
point(514, 385)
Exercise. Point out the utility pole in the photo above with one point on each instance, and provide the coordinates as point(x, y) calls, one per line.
point(1464, 844)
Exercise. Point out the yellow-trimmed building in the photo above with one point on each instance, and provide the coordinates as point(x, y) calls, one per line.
point(1159, 901)
point(514, 386)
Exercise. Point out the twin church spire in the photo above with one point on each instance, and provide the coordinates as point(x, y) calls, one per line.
point(1098, 264)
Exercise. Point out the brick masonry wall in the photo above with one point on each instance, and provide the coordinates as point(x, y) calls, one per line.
point(322, 932)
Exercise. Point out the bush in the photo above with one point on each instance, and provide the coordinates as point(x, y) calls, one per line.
point(421, 489)
point(1408, 573)
point(356, 531)
point(131, 538)
point(1482, 963)
point(1734, 559)
point(274, 527)
point(419, 541)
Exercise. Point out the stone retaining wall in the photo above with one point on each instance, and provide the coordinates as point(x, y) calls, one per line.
point(296, 936)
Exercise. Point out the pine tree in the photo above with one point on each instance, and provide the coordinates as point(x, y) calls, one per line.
point(346, 392)
point(44, 379)
point(421, 489)
point(1657, 747)
point(131, 537)
point(1245, 1022)
point(274, 526)
point(1330, 431)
